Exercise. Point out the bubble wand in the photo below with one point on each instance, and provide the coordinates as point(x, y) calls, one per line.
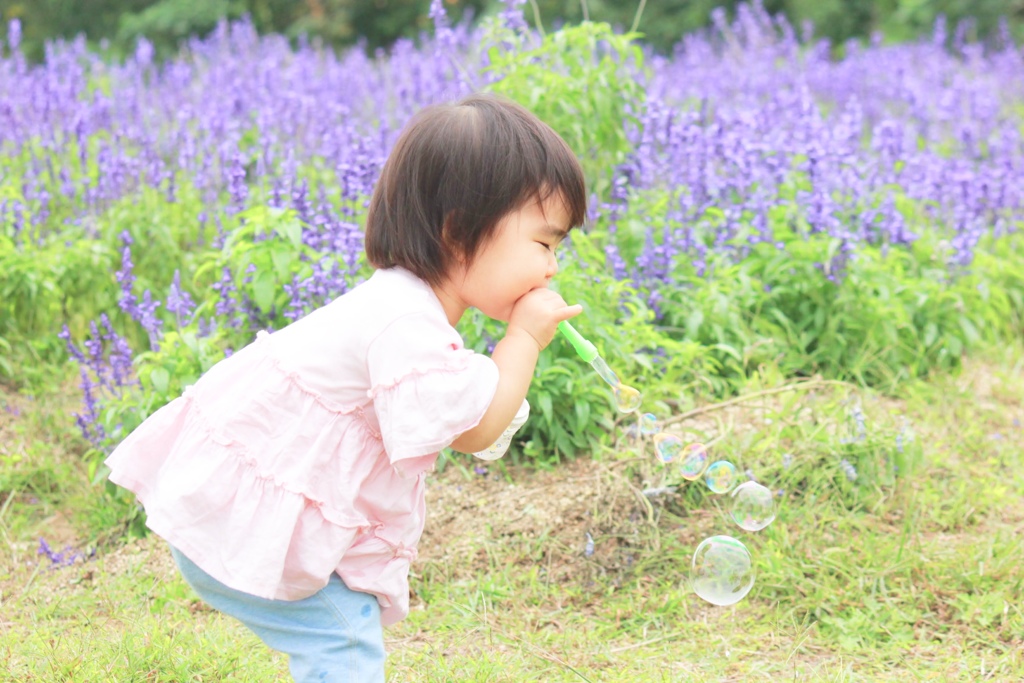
point(626, 397)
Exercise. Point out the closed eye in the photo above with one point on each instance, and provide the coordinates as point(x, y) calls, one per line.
point(553, 234)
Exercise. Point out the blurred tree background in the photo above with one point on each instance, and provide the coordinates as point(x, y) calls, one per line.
point(116, 24)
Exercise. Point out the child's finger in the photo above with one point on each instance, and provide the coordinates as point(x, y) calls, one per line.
point(569, 312)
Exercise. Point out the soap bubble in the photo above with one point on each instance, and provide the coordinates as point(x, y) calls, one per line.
point(627, 398)
point(693, 461)
point(667, 446)
point(753, 506)
point(648, 423)
point(721, 476)
point(721, 571)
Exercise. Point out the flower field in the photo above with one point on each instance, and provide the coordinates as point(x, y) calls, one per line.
point(763, 208)
point(755, 199)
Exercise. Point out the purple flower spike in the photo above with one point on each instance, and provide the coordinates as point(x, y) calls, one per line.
point(179, 302)
point(848, 469)
point(512, 15)
point(14, 34)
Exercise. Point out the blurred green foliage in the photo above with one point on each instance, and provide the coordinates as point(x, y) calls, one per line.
point(378, 23)
point(167, 22)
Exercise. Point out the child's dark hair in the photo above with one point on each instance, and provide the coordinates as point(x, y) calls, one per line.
point(456, 170)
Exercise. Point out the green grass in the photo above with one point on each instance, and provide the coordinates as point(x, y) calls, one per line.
point(913, 576)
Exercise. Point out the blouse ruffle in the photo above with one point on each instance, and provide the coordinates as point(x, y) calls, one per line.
point(422, 391)
point(270, 486)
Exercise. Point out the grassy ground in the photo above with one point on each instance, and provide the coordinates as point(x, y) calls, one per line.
point(912, 575)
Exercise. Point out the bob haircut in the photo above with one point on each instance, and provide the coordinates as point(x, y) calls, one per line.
point(455, 172)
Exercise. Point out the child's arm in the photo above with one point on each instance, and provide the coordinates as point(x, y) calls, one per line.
point(531, 328)
point(500, 447)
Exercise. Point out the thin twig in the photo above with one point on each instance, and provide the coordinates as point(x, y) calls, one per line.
point(536, 17)
point(643, 499)
point(462, 69)
point(586, 10)
point(31, 579)
point(636, 17)
point(659, 491)
point(634, 646)
point(543, 654)
point(3, 528)
point(796, 386)
point(7, 502)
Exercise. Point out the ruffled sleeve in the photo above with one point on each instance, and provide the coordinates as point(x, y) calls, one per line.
point(427, 389)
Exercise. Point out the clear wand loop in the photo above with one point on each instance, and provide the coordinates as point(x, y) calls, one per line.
point(626, 397)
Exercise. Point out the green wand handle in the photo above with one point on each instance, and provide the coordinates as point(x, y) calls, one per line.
point(586, 350)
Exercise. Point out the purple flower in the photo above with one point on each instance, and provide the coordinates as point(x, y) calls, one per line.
point(63, 558)
point(179, 302)
point(143, 312)
point(227, 307)
point(512, 15)
point(105, 370)
point(848, 469)
point(14, 34)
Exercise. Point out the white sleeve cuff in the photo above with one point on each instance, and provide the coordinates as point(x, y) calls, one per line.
point(499, 447)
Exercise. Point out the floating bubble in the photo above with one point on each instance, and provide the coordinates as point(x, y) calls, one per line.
point(693, 461)
point(721, 476)
point(753, 506)
point(667, 446)
point(721, 571)
point(627, 398)
point(648, 423)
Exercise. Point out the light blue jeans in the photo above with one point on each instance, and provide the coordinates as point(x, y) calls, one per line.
point(333, 636)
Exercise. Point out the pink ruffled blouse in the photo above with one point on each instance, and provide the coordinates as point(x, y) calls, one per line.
point(305, 453)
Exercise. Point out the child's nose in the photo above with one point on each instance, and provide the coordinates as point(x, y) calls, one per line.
point(552, 266)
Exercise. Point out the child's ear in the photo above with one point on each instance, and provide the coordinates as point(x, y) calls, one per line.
point(448, 241)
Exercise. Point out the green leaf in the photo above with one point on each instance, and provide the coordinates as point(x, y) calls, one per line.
point(263, 290)
point(729, 350)
point(282, 258)
point(693, 323)
point(544, 399)
point(160, 379)
point(291, 229)
point(970, 331)
point(582, 415)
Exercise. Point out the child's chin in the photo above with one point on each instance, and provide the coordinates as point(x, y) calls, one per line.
point(499, 315)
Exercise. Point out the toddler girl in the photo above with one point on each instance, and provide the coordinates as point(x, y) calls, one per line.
point(289, 480)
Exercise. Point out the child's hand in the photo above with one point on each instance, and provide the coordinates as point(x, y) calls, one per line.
point(531, 326)
point(538, 313)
